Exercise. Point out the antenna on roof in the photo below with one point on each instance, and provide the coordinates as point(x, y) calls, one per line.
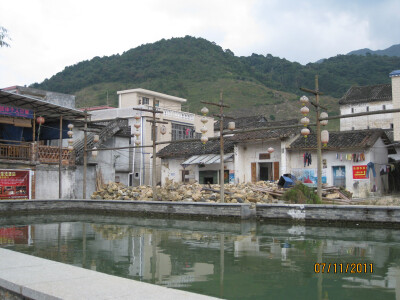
point(107, 99)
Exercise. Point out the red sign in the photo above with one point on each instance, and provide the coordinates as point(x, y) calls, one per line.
point(14, 235)
point(360, 172)
point(14, 184)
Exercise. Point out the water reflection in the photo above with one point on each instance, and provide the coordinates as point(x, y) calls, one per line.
point(229, 260)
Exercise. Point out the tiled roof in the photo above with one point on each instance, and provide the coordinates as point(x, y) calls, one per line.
point(370, 93)
point(187, 149)
point(340, 140)
point(271, 133)
point(244, 122)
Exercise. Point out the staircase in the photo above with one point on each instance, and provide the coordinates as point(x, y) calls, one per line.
point(109, 131)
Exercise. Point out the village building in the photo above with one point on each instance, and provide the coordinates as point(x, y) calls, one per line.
point(179, 125)
point(378, 97)
point(356, 160)
point(196, 162)
point(246, 156)
point(30, 162)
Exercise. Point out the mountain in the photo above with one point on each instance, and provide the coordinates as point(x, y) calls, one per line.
point(391, 51)
point(197, 69)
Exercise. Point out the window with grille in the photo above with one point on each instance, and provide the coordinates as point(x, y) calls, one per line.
point(180, 132)
point(145, 101)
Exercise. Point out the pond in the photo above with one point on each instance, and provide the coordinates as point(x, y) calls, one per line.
point(243, 260)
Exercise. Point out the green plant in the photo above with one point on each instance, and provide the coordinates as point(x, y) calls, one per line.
point(301, 193)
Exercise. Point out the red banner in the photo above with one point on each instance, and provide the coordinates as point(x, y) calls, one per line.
point(14, 184)
point(360, 172)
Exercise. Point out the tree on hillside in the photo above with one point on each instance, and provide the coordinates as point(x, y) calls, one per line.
point(3, 37)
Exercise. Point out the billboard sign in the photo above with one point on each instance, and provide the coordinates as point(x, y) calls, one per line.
point(14, 184)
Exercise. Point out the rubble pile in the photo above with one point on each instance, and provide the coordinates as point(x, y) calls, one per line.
point(259, 192)
point(264, 192)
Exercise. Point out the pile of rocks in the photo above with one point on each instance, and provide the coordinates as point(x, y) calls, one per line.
point(260, 192)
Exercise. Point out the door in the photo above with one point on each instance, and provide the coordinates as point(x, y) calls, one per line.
point(339, 176)
point(276, 170)
point(253, 172)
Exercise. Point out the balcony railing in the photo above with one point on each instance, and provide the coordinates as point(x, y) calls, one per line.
point(15, 152)
point(32, 152)
point(51, 155)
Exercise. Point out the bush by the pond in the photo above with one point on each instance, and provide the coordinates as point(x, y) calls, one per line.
point(302, 194)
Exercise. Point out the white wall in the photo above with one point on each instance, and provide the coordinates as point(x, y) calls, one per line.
point(248, 153)
point(360, 188)
point(396, 104)
point(172, 169)
point(47, 182)
point(382, 121)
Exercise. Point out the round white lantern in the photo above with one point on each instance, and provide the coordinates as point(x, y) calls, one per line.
point(324, 137)
point(204, 139)
point(304, 100)
point(203, 129)
point(94, 152)
point(231, 125)
point(137, 125)
point(96, 138)
point(305, 121)
point(305, 110)
point(204, 119)
point(137, 142)
point(305, 132)
point(136, 133)
point(70, 141)
point(270, 150)
point(137, 117)
point(70, 126)
point(70, 133)
point(323, 115)
point(204, 110)
point(70, 148)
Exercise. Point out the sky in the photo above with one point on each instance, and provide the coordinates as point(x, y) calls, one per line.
point(48, 35)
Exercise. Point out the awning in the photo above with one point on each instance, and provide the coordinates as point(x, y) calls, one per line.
point(206, 159)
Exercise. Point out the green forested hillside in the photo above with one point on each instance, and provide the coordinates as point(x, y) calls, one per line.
point(197, 69)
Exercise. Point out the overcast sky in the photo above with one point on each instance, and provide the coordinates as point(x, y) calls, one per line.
point(48, 35)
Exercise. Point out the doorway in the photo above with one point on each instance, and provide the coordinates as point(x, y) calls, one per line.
point(265, 171)
point(339, 176)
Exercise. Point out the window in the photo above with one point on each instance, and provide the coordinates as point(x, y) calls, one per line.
point(367, 108)
point(184, 177)
point(180, 131)
point(368, 127)
point(391, 125)
point(352, 128)
point(157, 103)
point(383, 106)
point(352, 110)
point(145, 100)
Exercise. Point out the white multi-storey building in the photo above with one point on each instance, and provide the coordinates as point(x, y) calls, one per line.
point(180, 125)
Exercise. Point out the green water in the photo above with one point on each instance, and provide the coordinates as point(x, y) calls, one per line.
point(244, 260)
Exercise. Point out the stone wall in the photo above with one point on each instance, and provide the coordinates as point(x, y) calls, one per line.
point(289, 212)
point(330, 213)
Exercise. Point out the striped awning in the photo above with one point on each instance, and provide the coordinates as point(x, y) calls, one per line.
point(206, 159)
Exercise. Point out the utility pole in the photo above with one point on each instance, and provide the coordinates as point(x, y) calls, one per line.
point(221, 117)
point(60, 161)
point(153, 122)
point(84, 157)
point(316, 92)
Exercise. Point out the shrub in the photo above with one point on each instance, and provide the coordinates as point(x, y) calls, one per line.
point(302, 194)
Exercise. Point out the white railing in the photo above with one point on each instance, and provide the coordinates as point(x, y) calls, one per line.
point(178, 114)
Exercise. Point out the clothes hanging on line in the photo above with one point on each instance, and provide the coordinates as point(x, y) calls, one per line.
point(307, 159)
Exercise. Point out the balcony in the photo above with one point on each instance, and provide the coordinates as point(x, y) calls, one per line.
point(32, 152)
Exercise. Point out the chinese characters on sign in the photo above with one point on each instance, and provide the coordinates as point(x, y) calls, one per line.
point(16, 112)
point(360, 172)
point(14, 184)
